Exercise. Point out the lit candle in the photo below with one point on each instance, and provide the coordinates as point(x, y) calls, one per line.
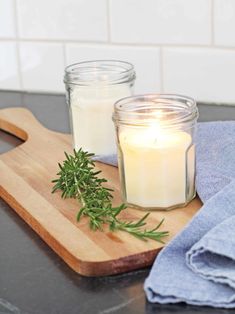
point(155, 166)
point(156, 151)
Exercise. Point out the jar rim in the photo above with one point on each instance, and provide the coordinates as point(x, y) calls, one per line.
point(171, 109)
point(99, 71)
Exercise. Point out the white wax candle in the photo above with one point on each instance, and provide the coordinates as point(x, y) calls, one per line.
point(91, 114)
point(155, 166)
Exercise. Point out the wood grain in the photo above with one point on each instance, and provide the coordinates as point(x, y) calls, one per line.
point(25, 184)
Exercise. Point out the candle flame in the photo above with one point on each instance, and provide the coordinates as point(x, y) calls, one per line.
point(155, 127)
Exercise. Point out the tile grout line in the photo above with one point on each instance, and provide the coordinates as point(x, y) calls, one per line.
point(17, 43)
point(84, 42)
point(108, 21)
point(115, 44)
point(64, 54)
point(212, 23)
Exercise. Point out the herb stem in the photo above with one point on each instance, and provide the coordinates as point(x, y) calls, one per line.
point(78, 179)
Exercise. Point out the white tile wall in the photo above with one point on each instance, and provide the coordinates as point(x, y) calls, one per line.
point(183, 46)
point(205, 74)
point(42, 66)
point(9, 78)
point(161, 21)
point(224, 22)
point(63, 19)
point(7, 19)
point(145, 60)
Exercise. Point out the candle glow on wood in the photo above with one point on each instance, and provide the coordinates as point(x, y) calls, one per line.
point(154, 164)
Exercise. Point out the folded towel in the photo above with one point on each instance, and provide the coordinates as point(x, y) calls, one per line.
point(106, 159)
point(213, 257)
point(198, 265)
point(215, 157)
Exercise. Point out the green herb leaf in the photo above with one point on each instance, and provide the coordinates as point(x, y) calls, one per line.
point(78, 179)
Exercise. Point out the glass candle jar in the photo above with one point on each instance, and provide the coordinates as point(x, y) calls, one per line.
point(156, 150)
point(92, 88)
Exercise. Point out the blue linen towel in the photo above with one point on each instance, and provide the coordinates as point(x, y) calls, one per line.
point(198, 265)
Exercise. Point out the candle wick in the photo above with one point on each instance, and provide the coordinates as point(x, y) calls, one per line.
point(155, 141)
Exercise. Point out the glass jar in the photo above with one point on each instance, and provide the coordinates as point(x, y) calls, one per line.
point(156, 150)
point(92, 88)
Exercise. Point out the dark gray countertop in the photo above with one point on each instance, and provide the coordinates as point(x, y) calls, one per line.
point(33, 279)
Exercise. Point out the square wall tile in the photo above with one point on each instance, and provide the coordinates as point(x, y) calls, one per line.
point(205, 74)
point(145, 60)
point(63, 19)
point(224, 22)
point(9, 78)
point(42, 66)
point(161, 21)
point(7, 19)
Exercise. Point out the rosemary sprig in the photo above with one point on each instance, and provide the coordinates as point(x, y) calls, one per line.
point(78, 179)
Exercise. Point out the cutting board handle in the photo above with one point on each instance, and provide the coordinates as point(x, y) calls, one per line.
point(19, 122)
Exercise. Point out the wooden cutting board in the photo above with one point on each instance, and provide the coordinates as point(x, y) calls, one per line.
point(25, 184)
